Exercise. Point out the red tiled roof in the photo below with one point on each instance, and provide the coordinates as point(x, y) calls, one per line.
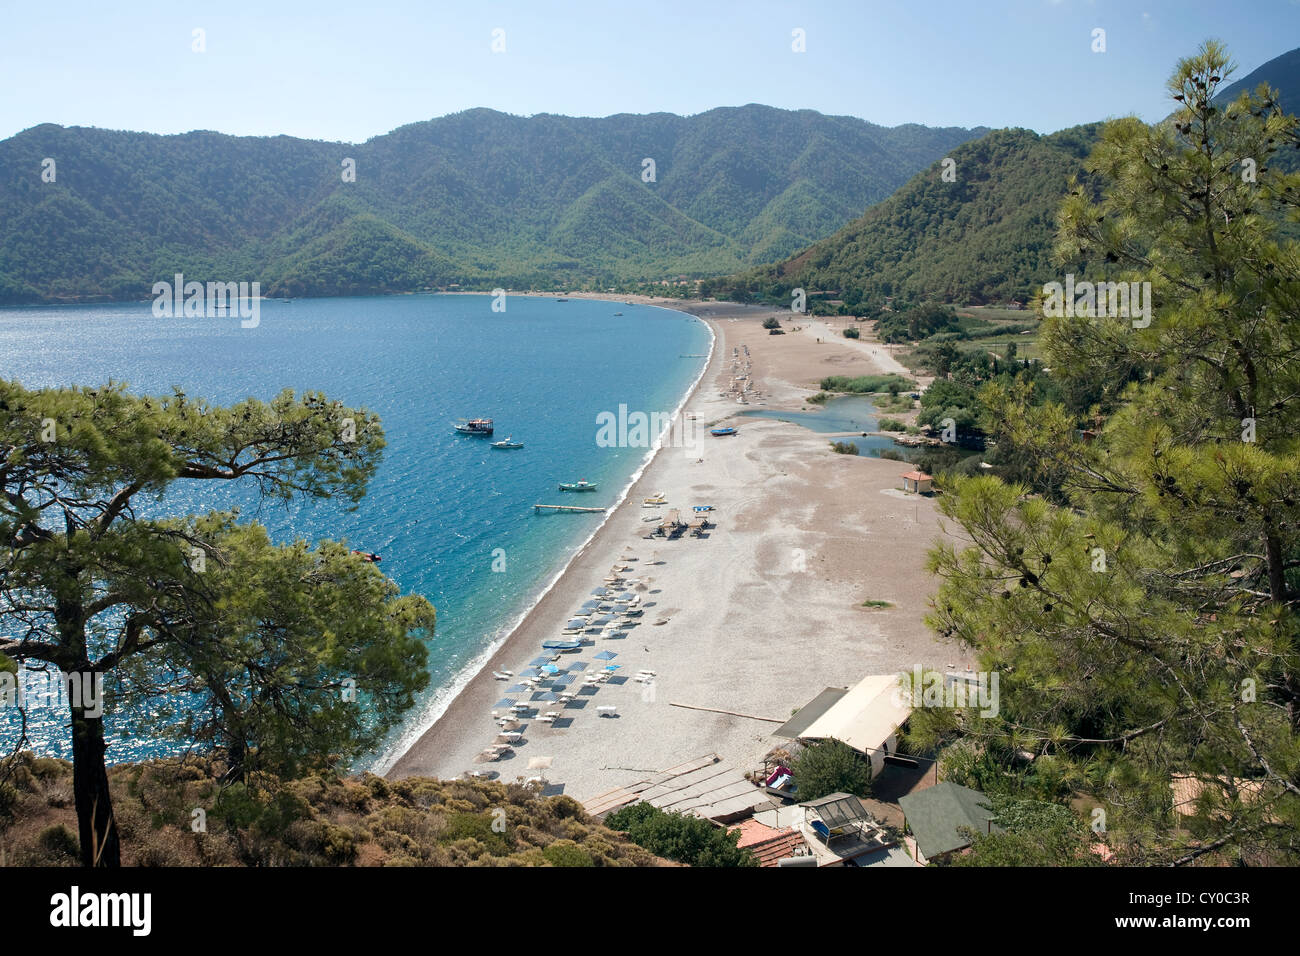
point(917, 476)
point(768, 844)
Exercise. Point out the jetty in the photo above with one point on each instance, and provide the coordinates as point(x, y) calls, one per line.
point(538, 509)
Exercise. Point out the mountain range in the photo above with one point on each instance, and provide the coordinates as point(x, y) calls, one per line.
point(984, 237)
point(478, 197)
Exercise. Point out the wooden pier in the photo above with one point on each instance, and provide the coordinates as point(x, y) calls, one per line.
point(537, 509)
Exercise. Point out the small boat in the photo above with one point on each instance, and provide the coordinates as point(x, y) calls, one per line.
point(561, 300)
point(475, 426)
point(577, 486)
point(618, 313)
point(507, 443)
point(368, 556)
point(719, 432)
point(561, 645)
point(651, 517)
point(654, 501)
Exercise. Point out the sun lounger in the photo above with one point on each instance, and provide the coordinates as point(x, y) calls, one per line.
point(501, 675)
point(607, 711)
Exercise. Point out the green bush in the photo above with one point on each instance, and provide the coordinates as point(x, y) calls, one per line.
point(58, 840)
point(891, 425)
point(852, 332)
point(830, 767)
point(675, 836)
point(566, 853)
point(771, 322)
point(819, 399)
point(844, 448)
point(863, 384)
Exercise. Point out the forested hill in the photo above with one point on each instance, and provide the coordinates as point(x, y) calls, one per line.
point(475, 197)
point(985, 236)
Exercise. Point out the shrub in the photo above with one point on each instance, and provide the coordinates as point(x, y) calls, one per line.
point(58, 841)
point(771, 322)
point(830, 767)
point(892, 455)
point(566, 853)
point(819, 399)
point(862, 384)
point(844, 448)
point(851, 333)
point(685, 839)
point(891, 425)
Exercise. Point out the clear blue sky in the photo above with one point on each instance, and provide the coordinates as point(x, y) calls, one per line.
point(352, 70)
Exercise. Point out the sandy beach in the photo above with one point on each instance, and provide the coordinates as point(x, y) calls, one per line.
point(755, 617)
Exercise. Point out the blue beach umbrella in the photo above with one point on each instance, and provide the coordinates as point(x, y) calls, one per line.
point(530, 672)
point(539, 660)
point(517, 689)
point(546, 697)
point(504, 702)
point(550, 670)
point(606, 656)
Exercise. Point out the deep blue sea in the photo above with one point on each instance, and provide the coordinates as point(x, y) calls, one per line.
point(441, 503)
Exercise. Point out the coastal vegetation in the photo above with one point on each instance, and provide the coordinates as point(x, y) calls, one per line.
point(282, 658)
point(186, 812)
point(865, 384)
point(844, 448)
point(1137, 587)
point(830, 766)
point(681, 837)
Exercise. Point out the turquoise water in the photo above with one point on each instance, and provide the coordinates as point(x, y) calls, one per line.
point(848, 413)
point(441, 503)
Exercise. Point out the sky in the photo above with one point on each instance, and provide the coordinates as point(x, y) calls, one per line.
point(348, 71)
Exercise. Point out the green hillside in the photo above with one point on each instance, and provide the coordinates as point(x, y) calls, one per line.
point(985, 237)
point(479, 198)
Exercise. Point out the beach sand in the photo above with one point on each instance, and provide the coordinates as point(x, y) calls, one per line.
point(761, 614)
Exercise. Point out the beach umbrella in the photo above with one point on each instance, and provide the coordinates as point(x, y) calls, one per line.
point(540, 763)
point(504, 702)
point(545, 697)
point(610, 668)
point(599, 592)
point(539, 660)
point(530, 672)
point(517, 689)
point(550, 670)
point(563, 681)
point(606, 656)
point(578, 666)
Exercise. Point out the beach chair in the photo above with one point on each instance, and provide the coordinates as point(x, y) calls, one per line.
point(500, 675)
point(608, 710)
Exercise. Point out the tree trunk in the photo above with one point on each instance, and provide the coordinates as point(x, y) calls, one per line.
point(98, 829)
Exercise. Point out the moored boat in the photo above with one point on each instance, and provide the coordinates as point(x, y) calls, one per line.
point(561, 645)
point(507, 442)
point(720, 432)
point(577, 486)
point(475, 426)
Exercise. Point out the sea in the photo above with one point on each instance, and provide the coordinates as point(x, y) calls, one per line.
point(451, 518)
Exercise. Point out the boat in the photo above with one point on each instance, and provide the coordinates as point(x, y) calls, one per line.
point(618, 313)
point(654, 501)
point(651, 517)
point(475, 426)
point(368, 556)
point(507, 443)
point(561, 300)
point(720, 432)
point(559, 644)
point(576, 486)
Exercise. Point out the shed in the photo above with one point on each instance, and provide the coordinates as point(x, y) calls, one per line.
point(918, 482)
point(866, 717)
point(937, 815)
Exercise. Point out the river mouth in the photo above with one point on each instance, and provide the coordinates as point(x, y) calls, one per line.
point(845, 417)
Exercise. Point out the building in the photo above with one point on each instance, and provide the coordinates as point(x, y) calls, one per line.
point(705, 787)
point(866, 717)
point(939, 817)
point(917, 482)
point(839, 831)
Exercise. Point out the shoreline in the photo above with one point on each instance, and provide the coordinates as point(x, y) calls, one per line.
point(445, 698)
point(758, 615)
